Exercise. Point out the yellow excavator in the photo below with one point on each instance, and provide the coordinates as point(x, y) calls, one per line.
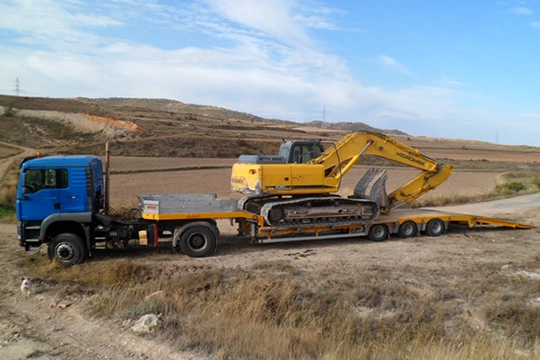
point(298, 186)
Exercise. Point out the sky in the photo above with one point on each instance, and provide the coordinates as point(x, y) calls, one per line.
point(440, 68)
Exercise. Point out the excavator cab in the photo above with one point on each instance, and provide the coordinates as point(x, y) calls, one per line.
point(300, 152)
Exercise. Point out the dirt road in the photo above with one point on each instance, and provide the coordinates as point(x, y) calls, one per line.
point(21, 154)
point(53, 323)
point(498, 207)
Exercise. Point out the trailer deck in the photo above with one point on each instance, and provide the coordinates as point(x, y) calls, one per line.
point(186, 207)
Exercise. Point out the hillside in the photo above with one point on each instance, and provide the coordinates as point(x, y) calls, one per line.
point(168, 128)
point(159, 127)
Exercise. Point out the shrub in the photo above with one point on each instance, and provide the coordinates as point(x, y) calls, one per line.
point(513, 186)
point(9, 111)
point(8, 191)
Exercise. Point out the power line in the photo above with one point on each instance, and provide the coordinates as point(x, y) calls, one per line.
point(17, 87)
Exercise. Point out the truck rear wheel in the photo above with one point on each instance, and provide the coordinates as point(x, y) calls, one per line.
point(68, 249)
point(198, 241)
point(378, 232)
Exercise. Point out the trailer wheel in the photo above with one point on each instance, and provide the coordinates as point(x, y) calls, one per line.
point(67, 249)
point(407, 229)
point(435, 227)
point(378, 232)
point(198, 241)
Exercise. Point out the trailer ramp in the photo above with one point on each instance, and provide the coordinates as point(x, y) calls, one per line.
point(473, 221)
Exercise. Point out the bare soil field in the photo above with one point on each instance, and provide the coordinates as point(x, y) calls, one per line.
point(126, 186)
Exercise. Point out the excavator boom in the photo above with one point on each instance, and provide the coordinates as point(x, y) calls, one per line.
point(339, 159)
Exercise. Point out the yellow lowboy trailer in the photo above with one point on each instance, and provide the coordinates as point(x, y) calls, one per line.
point(193, 214)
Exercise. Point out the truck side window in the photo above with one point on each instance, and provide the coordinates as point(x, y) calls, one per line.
point(37, 179)
point(62, 181)
point(50, 178)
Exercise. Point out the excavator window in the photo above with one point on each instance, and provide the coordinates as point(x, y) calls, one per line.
point(303, 153)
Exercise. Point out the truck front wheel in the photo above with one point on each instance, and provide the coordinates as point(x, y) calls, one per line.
point(198, 241)
point(67, 249)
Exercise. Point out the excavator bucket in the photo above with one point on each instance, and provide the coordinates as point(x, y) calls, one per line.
point(372, 186)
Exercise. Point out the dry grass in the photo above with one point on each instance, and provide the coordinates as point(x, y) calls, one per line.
point(508, 185)
point(273, 310)
point(8, 193)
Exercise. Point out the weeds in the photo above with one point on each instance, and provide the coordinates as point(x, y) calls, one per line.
point(504, 190)
point(513, 186)
point(8, 192)
point(9, 109)
point(273, 310)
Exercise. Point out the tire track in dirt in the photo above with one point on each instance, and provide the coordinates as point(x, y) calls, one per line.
point(5, 162)
point(53, 322)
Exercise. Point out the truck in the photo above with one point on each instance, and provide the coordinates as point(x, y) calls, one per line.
point(62, 202)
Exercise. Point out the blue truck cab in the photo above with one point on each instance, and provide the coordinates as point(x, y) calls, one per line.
point(60, 196)
point(60, 203)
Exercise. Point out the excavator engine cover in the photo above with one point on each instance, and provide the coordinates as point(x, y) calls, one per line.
point(372, 186)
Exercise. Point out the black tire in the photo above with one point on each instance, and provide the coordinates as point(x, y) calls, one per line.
point(198, 241)
point(68, 249)
point(435, 227)
point(407, 229)
point(378, 232)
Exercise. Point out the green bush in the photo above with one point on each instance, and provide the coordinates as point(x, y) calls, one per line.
point(6, 210)
point(514, 186)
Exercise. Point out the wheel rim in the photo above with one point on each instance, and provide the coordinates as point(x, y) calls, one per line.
point(65, 252)
point(436, 227)
point(378, 232)
point(197, 241)
point(408, 229)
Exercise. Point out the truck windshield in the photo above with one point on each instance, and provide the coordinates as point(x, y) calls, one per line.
point(37, 179)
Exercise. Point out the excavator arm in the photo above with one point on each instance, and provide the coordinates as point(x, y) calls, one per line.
point(337, 160)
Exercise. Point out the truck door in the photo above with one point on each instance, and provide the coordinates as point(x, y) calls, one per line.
point(73, 196)
point(39, 194)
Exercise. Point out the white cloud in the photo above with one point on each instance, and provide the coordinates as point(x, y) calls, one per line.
point(274, 18)
point(50, 22)
point(393, 64)
point(447, 81)
point(520, 10)
point(536, 24)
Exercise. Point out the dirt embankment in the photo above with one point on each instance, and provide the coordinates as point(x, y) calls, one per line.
point(83, 123)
